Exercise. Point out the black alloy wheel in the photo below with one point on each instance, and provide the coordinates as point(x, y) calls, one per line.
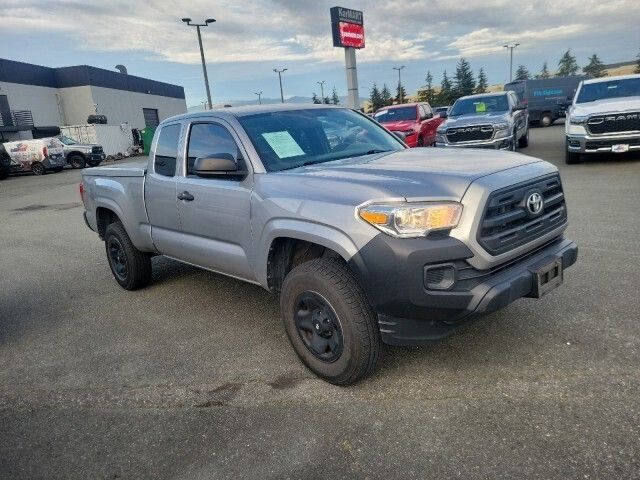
point(318, 326)
point(117, 259)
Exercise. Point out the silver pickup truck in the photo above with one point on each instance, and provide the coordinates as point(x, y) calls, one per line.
point(366, 241)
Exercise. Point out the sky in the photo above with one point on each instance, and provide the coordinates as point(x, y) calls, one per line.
point(252, 37)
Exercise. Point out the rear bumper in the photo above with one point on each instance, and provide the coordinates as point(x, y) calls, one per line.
point(411, 314)
point(586, 144)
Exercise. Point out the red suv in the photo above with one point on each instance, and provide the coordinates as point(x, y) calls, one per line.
point(415, 121)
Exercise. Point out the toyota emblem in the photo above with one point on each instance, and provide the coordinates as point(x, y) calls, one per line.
point(535, 203)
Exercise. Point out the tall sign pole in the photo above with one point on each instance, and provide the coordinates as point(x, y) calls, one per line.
point(347, 28)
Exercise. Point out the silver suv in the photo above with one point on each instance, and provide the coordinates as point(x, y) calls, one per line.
point(488, 120)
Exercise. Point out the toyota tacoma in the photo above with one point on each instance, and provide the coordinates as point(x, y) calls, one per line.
point(365, 241)
point(487, 120)
point(604, 117)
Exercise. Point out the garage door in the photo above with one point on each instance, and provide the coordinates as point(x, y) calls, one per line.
point(151, 118)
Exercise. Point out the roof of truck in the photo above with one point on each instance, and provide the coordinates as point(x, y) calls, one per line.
point(251, 110)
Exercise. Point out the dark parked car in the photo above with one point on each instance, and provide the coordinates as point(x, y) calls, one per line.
point(5, 163)
point(545, 98)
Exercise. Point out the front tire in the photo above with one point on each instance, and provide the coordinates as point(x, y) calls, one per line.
point(329, 322)
point(130, 267)
point(38, 168)
point(523, 142)
point(77, 161)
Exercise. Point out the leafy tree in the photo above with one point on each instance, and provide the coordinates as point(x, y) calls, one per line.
point(567, 65)
point(428, 94)
point(401, 93)
point(482, 85)
point(464, 83)
point(334, 97)
point(445, 97)
point(314, 98)
point(522, 73)
point(385, 95)
point(595, 68)
point(544, 73)
point(375, 97)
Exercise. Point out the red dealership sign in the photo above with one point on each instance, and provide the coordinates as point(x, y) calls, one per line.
point(351, 34)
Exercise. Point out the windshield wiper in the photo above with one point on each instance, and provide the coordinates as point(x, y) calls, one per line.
point(369, 152)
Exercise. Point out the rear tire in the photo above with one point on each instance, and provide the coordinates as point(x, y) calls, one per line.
point(76, 161)
point(545, 120)
point(38, 168)
point(329, 322)
point(130, 267)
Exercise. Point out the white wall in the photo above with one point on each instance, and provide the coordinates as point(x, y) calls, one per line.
point(120, 106)
point(77, 104)
point(40, 100)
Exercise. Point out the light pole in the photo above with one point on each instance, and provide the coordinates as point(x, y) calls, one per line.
point(204, 65)
point(279, 72)
point(259, 94)
point(511, 46)
point(400, 95)
point(321, 83)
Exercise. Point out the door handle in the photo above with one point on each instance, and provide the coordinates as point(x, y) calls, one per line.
point(186, 196)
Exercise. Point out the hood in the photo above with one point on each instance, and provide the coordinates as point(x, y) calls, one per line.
point(478, 119)
point(399, 125)
point(416, 173)
point(612, 105)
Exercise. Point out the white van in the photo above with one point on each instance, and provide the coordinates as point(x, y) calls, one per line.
point(37, 156)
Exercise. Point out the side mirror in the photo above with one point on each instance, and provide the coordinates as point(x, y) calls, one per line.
point(219, 165)
point(443, 114)
point(399, 136)
point(519, 106)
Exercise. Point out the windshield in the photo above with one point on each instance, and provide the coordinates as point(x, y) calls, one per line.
point(480, 105)
point(293, 138)
point(67, 140)
point(396, 114)
point(590, 92)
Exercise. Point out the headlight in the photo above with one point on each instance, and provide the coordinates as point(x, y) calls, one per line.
point(501, 126)
point(577, 120)
point(411, 219)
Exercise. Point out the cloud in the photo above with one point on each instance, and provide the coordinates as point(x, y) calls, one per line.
point(290, 30)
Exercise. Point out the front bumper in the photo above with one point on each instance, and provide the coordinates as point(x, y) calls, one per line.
point(601, 143)
point(411, 314)
point(503, 143)
point(96, 158)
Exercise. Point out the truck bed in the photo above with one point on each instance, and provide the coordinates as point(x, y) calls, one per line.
point(132, 169)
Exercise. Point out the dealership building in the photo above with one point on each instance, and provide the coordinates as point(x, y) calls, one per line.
point(35, 100)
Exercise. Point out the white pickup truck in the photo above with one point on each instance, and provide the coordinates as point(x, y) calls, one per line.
point(37, 156)
point(604, 117)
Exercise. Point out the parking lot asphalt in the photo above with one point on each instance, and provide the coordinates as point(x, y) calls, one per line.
point(193, 377)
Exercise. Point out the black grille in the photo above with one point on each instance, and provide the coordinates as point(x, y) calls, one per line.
point(507, 223)
point(614, 123)
point(469, 134)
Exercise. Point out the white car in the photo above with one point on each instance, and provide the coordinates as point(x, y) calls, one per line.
point(37, 156)
point(604, 117)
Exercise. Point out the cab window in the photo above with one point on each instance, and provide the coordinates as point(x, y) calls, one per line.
point(209, 140)
point(164, 161)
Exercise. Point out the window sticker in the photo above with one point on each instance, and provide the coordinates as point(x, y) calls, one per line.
point(283, 144)
point(481, 107)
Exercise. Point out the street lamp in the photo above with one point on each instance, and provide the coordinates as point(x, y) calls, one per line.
point(321, 83)
point(279, 72)
point(259, 94)
point(400, 95)
point(511, 46)
point(204, 65)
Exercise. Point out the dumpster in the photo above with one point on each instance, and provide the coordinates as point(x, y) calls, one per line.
point(147, 136)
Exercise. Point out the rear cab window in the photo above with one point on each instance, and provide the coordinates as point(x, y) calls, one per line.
point(164, 160)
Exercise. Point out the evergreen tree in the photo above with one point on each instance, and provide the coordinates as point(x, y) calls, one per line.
point(482, 82)
point(637, 70)
point(544, 73)
point(428, 94)
point(314, 98)
point(567, 65)
point(326, 101)
point(464, 83)
point(375, 98)
point(595, 68)
point(445, 97)
point(334, 97)
point(385, 95)
point(401, 94)
point(522, 73)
